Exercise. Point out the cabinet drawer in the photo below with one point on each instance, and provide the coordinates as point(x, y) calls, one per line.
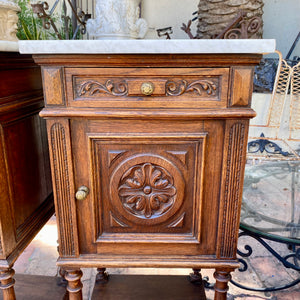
point(147, 88)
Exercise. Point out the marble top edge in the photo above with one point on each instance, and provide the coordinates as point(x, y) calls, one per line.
point(147, 46)
point(9, 46)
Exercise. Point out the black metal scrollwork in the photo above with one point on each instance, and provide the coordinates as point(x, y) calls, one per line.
point(78, 18)
point(289, 261)
point(261, 145)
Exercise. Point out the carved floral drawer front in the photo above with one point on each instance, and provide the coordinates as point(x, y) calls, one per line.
point(153, 87)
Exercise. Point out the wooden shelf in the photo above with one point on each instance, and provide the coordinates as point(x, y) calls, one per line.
point(132, 287)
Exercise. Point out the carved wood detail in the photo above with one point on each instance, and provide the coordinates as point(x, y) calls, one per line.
point(91, 87)
point(114, 222)
point(53, 91)
point(181, 155)
point(199, 86)
point(240, 95)
point(232, 189)
point(62, 187)
point(133, 153)
point(119, 87)
point(113, 155)
point(178, 223)
point(147, 190)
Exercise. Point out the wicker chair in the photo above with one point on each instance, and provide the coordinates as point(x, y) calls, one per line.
point(280, 130)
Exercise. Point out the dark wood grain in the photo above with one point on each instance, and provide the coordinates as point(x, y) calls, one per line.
point(132, 287)
point(26, 191)
point(34, 287)
point(148, 60)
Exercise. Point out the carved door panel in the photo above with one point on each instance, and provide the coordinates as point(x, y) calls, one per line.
point(144, 188)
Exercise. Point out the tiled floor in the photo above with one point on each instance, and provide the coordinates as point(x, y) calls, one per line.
point(40, 256)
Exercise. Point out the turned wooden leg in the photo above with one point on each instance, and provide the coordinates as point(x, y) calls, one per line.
point(221, 287)
point(196, 277)
point(74, 286)
point(7, 283)
point(61, 281)
point(102, 276)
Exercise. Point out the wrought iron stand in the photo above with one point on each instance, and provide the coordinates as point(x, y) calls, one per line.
point(264, 228)
point(289, 261)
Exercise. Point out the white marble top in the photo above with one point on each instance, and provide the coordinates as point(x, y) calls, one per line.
point(146, 46)
point(8, 46)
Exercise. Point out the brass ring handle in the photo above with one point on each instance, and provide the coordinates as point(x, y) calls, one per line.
point(82, 193)
point(147, 88)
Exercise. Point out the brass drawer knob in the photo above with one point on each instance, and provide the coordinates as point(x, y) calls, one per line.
point(82, 193)
point(147, 88)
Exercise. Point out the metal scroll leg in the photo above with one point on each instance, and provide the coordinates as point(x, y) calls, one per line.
point(7, 283)
point(221, 287)
point(74, 286)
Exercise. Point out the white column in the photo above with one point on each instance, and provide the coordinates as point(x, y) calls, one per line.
point(117, 19)
point(166, 13)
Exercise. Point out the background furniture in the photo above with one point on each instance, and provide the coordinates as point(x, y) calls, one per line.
point(277, 130)
point(147, 151)
point(270, 208)
point(26, 194)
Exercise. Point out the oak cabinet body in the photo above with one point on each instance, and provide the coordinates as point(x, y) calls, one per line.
point(160, 143)
point(26, 201)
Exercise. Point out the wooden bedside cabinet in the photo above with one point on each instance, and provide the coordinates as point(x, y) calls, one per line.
point(26, 202)
point(147, 153)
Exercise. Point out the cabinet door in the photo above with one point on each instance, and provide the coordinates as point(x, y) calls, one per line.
point(145, 181)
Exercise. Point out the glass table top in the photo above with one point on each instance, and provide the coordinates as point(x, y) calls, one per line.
point(271, 200)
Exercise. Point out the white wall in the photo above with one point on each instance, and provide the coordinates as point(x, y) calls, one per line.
point(281, 19)
point(169, 13)
point(282, 22)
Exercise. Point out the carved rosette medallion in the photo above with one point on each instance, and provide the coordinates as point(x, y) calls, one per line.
point(147, 190)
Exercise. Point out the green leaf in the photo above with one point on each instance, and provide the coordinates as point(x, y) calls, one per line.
point(26, 31)
point(35, 32)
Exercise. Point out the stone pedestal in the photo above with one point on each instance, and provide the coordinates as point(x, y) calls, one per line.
point(117, 19)
point(8, 20)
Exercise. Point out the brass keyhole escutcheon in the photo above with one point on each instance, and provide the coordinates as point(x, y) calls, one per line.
point(82, 193)
point(147, 88)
